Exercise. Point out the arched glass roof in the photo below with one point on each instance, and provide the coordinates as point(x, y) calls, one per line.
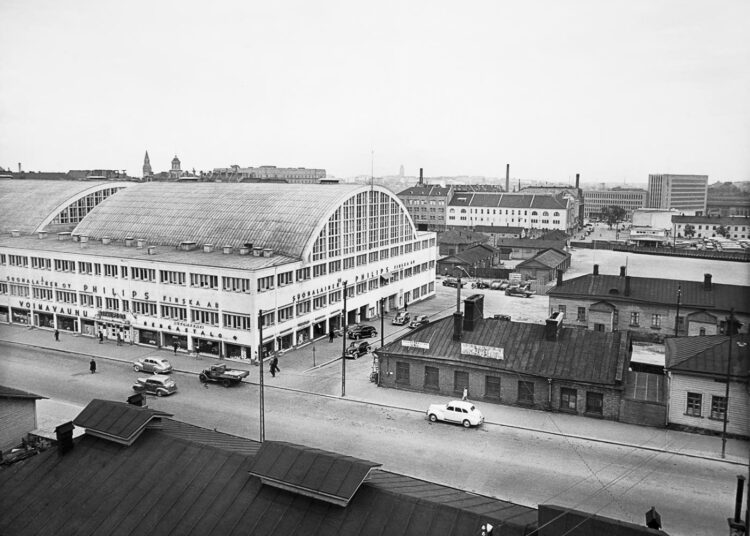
point(29, 205)
point(283, 217)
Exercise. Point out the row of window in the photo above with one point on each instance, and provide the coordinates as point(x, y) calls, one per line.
point(499, 212)
point(635, 317)
point(694, 406)
point(492, 388)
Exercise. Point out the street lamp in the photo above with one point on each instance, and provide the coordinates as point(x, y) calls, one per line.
point(260, 372)
point(343, 348)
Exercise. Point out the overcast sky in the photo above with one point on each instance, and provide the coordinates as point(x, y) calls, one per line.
point(613, 90)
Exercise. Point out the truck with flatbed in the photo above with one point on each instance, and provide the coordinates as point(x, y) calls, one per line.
point(223, 375)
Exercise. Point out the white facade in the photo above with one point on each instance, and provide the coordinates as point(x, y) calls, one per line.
point(520, 210)
point(703, 393)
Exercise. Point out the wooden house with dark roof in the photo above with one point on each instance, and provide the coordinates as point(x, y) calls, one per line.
point(546, 366)
point(17, 416)
point(176, 478)
point(526, 248)
point(455, 241)
point(697, 369)
point(648, 306)
point(476, 261)
point(545, 265)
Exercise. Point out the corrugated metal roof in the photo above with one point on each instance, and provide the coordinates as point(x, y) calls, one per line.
point(654, 290)
point(709, 355)
point(578, 354)
point(25, 204)
point(277, 216)
point(165, 484)
point(117, 421)
point(320, 474)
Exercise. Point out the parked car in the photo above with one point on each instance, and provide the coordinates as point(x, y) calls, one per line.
point(480, 284)
point(157, 365)
point(452, 282)
point(499, 284)
point(361, 331)
point(223, 375)
point(456, 411)
point(501, 317)
point(155, 385)
point(418, 321)
point(357, 350)
point(401, 318)
point(518, 291)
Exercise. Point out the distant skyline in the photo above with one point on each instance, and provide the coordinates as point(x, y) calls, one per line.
point(611, 90)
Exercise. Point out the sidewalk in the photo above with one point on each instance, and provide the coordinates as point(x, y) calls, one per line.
point(324, 379)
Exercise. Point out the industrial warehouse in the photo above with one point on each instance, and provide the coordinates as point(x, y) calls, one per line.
point(196, 266)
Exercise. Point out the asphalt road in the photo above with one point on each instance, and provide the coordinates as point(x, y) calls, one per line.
point(516, 465)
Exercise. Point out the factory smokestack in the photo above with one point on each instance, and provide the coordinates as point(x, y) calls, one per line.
point(507, 177)
point(421, 181)
point(578, 177)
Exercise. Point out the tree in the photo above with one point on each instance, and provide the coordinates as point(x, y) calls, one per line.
point(722, 231)
point(689, 231)
point(613, 214)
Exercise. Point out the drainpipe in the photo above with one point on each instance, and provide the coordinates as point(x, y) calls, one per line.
point(549, 393)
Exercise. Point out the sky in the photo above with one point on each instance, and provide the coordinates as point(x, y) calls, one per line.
point(611, 90)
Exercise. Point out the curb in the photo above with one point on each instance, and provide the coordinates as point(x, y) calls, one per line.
point(402, 408)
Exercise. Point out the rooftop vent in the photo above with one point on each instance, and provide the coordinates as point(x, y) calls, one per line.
point(473, 311)
point(226, 250)
point(84, 238)
point(188, 246)
point(553, 326)
point(64, 434)
point(706, 281)
point(152, 250)
point(208, 248)
point(15, 233)
point(244, 250)
point(65, 235)
point(267, 252)
point(129, 241)
point(106, 240)
point(141, 243)
point(42, 235)
point(75, 237)
point(257, 251)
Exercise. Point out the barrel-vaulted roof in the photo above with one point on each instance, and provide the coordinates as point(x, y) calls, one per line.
point(282, 217)
point(26, 205)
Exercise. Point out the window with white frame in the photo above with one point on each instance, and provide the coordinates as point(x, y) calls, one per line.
point(110, 270)
point(20, 290)
point(235, 321)
point(319, 302)
point(143, 274)
point(40, 263)
point(235, 284)
point(201, 316)
point(204, 281)
point(302, 274)
point(174, 312)
point(285, 278)
point(65, 296)
point(112, 304)
point(171, 277)
point(41, 293)
point(64, 265)
point(286, 313)
point(265, 283)
point(303, 307)
point(694, 404)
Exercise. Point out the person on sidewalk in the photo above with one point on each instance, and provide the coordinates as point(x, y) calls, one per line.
point(331, 335)
point(119, 340)
point(101, 337)
point(175, 345)
point(92, 366)
point(57, 336)
point(275, 366)
point(466, 394)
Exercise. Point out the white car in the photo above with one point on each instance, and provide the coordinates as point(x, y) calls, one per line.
point(456, 411)
point(157, 365)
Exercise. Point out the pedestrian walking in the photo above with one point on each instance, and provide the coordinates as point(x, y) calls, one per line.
point(57, 335)
point(119, 340)
point(331, 335)
point(275, 366)
point(92, 366)
point(466, 394)
point(101, 337)
point(175, 345)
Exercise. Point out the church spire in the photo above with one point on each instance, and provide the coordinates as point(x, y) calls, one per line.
point(147, 166)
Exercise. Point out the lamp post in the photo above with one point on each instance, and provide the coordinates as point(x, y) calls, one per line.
point(677, 318)
point(343, 348)
point(730, 331)
point(260, 372)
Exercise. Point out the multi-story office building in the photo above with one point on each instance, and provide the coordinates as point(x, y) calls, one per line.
point(681, 192)
point(541, 211)
point(595, 201)
point(205, 265)
point(426, 204)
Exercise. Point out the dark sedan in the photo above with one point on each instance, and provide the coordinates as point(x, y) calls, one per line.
point(361, 331)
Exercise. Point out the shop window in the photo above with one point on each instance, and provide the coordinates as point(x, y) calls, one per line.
point(492, 387)
point(568, 399)
point(525, 392)
point(694, 404)
point(460, 381)
point(432, 378)
point(402, 373)
point(594, 403)
point(718, 407)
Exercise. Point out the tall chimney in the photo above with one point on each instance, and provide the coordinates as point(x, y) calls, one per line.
point(458, 321)
point(738, 498)
point(473, 311)
point(421, 179)
point(596, 269)
point(19, 167)
point(559, 278)
point(622, 271)
point(507, 177)
point(578, 177)
point(553, 325)
point(64, 435)
point(627, 285)
point(706, 281)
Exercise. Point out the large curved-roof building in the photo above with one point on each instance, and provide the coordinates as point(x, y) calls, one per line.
point(192, 264)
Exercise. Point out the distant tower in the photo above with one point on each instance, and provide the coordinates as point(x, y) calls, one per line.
point(401, 171)
point(147, 166)
point(176, 171)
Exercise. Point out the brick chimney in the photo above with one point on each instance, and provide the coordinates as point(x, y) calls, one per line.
point(553, 326)
point(627, 285)
point(507, 177)
point(458, 320)
point(622, 271)
point(596, 269)
point(707, 282)
point(64, 434)
point(473, 311)
point(559, 278)
point(578, 178)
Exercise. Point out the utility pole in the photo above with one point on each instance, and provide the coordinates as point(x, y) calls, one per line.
point(260, 372)
point(730, 330)
point(343, 348)
point(677, 318)
point(382, 335)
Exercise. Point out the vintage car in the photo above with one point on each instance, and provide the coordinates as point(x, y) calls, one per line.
point(357, 350)
point(519, 291)
point(452, 282)
point(223, 375)
point(157, 365)
point(418, 321)
point(155, 385)
point(480, 284)
point(401, 318)
point(361, 331)
point(456, 411)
